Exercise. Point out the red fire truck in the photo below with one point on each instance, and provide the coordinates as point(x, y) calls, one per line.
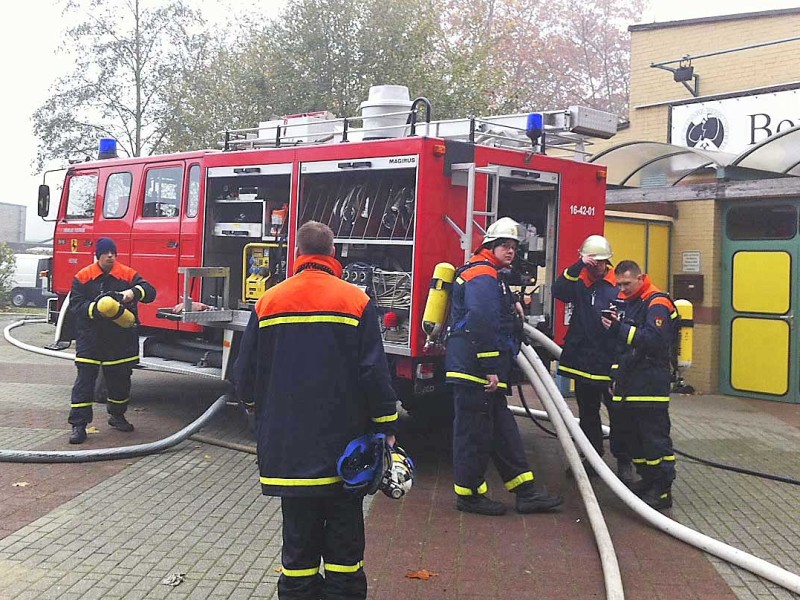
point(218, 226)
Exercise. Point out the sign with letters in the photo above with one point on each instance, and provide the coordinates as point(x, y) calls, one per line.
point(734, 124)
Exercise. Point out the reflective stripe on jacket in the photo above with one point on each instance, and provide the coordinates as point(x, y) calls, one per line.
point(588, 347)
point(312, 363)
point(644, 338)
point(100, 340)
point(481, 338)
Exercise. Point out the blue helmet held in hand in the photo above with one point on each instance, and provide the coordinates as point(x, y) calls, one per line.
point(369, 464)
point(363, 463)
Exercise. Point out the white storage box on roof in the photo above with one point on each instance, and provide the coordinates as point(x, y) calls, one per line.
point(301, 128)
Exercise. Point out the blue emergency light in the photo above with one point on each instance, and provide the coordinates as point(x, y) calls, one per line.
point(107, 149)
point(535, 127)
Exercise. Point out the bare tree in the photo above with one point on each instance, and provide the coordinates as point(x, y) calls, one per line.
point(130, 57)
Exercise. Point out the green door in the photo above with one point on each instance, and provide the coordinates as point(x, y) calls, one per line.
point(758, 335)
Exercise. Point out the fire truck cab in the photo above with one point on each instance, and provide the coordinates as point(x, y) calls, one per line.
point(401, 195)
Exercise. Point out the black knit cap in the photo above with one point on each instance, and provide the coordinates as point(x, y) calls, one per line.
point(104, 245)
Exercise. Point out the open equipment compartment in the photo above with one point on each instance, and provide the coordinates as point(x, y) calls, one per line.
point(370, 204)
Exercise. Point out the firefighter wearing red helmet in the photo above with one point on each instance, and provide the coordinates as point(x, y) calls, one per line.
point(481, 345)
point(312, 369)
point(103, 300)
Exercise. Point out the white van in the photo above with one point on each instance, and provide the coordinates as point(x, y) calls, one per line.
point(30, 281)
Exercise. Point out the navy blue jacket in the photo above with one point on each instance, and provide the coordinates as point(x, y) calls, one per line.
point(311, 364)
point(643, 372)
point(100, 340)
point(588, 348)
point(481, 338)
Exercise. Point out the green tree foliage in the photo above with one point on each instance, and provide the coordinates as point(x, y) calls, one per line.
point(8, 265)
point(158, 79)
point(130, 56)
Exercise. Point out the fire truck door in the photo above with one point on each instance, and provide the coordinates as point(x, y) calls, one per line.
point(189, 247)
point(74, 233)
point(155, 240)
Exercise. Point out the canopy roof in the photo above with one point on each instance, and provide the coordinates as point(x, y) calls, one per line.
point(656, 164)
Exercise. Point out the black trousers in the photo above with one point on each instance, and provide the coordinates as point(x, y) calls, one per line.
point(651, 446)
point(589, 396)
point(483, 429)
point(331, 528)
point(118, 382)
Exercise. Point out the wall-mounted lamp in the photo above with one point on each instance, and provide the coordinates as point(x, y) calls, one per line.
point(683, 73)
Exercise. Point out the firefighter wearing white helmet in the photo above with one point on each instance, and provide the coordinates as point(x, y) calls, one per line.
point(596, 247)
point(480, 348)
point(590, 287)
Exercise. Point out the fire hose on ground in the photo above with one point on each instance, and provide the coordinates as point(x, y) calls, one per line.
point(100, 454)
point(535, 369)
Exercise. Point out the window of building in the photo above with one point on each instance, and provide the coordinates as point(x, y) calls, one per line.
point(82, 195)
point(118, 195)
point(163, 192)
point(758, 222)
point(193, 200)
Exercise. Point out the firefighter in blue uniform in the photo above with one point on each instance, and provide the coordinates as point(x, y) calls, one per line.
point(645, 332)
point(103, 342)
point(590, 286)
point(312, 368)
point(481, 345)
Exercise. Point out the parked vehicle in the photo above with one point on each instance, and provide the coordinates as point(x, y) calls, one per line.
point(30, 284)
point(401, 196)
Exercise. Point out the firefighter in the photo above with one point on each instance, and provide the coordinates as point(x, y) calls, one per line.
point(105, 338)
point(644, 330)
point(590, 286)
point(312, 368)
point(482, 342)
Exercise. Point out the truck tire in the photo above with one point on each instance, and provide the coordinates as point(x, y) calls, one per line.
point(19, 298)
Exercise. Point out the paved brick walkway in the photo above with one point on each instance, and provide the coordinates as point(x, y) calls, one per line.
point(117, 529)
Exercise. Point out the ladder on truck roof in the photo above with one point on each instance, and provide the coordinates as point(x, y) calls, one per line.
point(568, 130)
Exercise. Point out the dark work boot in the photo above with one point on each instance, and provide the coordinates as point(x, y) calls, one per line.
point(625, 472)
point(78, 435)
point(533, 499)
point(658, 500)
point(641, 487)
point(480, 505)
point(120, 423)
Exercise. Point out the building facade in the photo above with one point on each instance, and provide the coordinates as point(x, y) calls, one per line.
point(704, 94)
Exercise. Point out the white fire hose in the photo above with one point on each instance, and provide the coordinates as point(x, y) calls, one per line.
point(529, 360)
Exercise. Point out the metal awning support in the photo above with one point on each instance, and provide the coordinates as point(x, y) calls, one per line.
point(783, 187)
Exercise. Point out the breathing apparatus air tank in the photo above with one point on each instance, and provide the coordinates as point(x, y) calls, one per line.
point(113, 309)
point(686, 339)
point(436, 305)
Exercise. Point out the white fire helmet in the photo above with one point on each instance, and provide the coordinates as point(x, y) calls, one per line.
point(505, 228)
point(597, 247)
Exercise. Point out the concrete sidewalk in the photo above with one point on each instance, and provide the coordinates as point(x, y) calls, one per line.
point(118, 529)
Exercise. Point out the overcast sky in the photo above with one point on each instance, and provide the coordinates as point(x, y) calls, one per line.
point(30, 33)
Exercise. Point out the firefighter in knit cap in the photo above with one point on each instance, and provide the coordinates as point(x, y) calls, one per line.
point(104, 300)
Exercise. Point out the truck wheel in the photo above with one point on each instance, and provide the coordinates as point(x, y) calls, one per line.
point(18, 298)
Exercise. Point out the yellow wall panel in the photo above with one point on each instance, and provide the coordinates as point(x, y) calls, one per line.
point(762, 282)
point(658, 254)
point(628, 240)
point(760, 355)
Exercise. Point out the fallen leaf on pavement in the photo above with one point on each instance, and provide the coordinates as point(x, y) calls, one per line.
point(423, 574)
point(92, 429)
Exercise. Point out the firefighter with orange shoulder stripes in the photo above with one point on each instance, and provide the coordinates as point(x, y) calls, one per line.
point(645, 331)
point(103, 342)
point(590, 286)
point(312, 369)
point(481, 344)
